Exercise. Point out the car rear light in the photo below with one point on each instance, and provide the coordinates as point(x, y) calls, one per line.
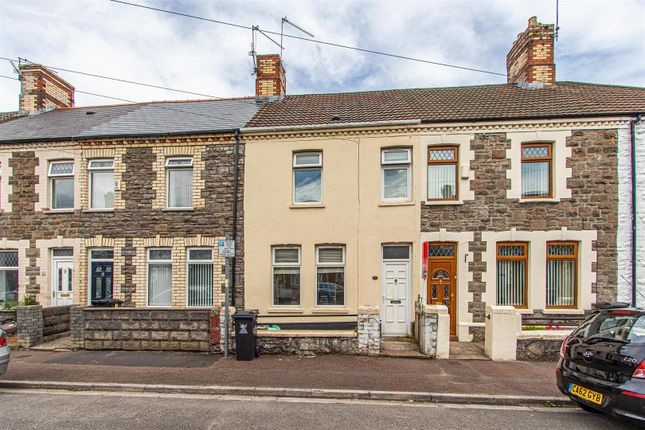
point(563, 347)
point(3, 341)
point(632, 394)
point(621, 312)
point(639, 373)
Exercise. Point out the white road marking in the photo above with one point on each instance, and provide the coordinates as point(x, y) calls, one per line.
point(293, 400)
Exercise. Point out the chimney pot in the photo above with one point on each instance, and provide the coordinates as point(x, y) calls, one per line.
point(531, 57)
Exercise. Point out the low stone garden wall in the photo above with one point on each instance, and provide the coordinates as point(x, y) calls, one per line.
point(55, 322)
point(540, 345)
point(146, 329)
point(7, 315)
point(303, 342)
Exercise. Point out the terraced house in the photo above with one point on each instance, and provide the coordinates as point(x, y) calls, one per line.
point(118, 202)
point(516, 194)
point(351, 211)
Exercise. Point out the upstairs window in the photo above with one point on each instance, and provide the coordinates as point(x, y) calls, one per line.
point(101, 184)
point(442, 173)
point(512, 274)
point(307, 177)
point(61, 184)
point(395, 175)
point(180, 182)
point(561, 274)
point(536, 170)
point(330, 265)
point(286, 276)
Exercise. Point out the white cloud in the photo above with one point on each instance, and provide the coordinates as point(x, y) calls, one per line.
point(599, 42)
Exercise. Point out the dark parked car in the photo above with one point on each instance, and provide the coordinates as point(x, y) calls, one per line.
point(602, 364)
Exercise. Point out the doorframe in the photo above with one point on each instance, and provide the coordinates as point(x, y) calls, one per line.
point(408, 293)
point(455, 280)
point(54, 274)
point(91, 260)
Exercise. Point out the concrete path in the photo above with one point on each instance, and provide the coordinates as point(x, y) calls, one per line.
point(474, 378)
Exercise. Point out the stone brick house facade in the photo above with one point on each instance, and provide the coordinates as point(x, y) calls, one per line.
point(122, 202)
point(502, 194)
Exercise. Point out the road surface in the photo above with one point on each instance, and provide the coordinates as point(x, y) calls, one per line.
point(39, 409)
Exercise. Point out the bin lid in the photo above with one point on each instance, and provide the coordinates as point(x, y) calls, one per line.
point(243, 313)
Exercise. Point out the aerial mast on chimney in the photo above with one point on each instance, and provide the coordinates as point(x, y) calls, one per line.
point(285, 20)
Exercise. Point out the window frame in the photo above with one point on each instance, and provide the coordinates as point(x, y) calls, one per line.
point(573, 258)
point(524, 258)
point(297, 265)
point(91, 170)
point(151, 262)
point(190, 261)
point(304, 167)
point(454, 161)
point(332, 265)
point(548, 159)
point(169, 168)
point(395, 165)
point(15, 268)
point(51, 177)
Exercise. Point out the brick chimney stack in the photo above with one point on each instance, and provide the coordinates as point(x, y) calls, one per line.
point(531, 57)
point(41, 88)
point(270, 82)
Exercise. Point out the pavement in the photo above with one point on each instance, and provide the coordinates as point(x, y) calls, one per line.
point(328, 376)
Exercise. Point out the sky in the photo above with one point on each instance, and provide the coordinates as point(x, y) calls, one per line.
point(601, 41)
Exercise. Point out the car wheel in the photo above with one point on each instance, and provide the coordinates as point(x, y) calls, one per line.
point(588, 408)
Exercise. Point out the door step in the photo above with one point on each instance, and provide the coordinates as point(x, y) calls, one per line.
point(403, 347)
point(467, 351)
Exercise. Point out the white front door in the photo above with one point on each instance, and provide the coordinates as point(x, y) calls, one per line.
point(62, 282)
point(395, 321)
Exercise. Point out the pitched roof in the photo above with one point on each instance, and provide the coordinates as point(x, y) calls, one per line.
point(487, 102)
point(155, 118)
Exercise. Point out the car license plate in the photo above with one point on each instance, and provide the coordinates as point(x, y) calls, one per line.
point(586, 393)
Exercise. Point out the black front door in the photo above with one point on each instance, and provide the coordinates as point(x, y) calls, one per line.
point(101, 280)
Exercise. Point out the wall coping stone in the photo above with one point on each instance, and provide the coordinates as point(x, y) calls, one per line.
point(307, 333)
point(544, 334)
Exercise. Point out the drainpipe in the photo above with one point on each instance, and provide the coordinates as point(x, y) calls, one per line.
point(632, 125)
point(236, 174)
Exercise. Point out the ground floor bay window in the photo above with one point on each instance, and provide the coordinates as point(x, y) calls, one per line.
point(8, 277)
point(512, 274)
point(159, 277)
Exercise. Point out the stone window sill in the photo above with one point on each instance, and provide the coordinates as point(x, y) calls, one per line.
point(525, 311)
point(311, 206)
point(549, 200)
point(442, 203)
point(58, 211)
point(329, 310)
point(177, 209)
point(97, 210)
point(290, 310)
point(388, 204)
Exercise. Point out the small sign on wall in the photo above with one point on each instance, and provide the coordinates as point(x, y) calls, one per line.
point(226, 248)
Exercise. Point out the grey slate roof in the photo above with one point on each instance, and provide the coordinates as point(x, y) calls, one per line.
point(145, 119)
